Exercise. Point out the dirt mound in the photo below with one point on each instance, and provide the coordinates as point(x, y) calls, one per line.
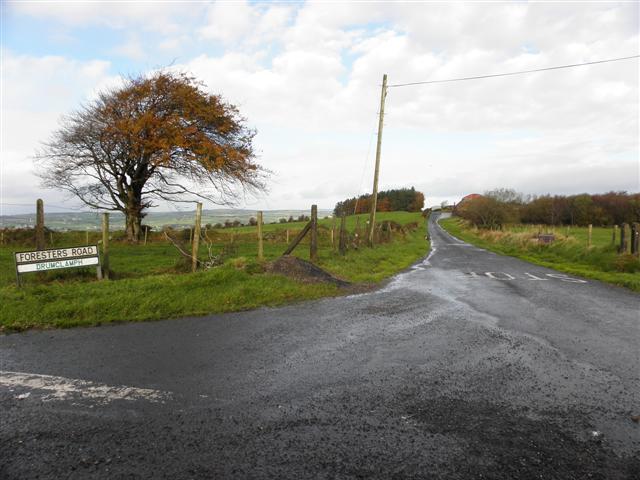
point(303, 271)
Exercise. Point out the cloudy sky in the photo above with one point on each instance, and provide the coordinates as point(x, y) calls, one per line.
point(307, 75)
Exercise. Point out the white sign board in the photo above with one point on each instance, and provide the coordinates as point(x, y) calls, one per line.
point(55, 258)
point(42, 266)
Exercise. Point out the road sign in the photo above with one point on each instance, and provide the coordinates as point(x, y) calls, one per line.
point(56, 258)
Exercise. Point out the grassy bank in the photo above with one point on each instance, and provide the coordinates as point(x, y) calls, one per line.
point(569, 253)
point(150, 283)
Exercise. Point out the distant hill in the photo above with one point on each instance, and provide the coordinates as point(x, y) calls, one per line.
point(91, 220)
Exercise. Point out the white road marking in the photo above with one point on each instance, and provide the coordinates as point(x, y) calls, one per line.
point(61, 388)
point(565, 278)
point(533, 277)
point(433, 250)
point(493, 275)
point(529, 276)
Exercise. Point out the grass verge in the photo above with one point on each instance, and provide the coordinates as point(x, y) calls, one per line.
point(567, 254)
point(147, 287)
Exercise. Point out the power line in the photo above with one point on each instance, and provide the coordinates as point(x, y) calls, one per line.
point(512, 73)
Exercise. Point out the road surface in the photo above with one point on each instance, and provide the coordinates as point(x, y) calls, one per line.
point(468, 365)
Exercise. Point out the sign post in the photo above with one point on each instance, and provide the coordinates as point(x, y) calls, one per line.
point(56, 258)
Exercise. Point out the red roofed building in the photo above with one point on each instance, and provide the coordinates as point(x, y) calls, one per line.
point(471, 196)
point(466, 198)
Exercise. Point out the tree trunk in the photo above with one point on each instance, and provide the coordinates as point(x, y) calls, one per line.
point(134, 223)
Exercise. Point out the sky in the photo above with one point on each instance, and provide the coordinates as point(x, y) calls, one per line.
point(307, 76)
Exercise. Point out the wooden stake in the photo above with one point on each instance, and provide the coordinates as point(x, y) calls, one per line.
point(51, 238)
point(333, 233)
point(196, 238)
point(343, 235)
point(294, 243)
point(260, 239)
point(40, 225)
point(614, 235)
point(374, 196)
point(623, 238)
point(146, 232)
point(287, 236)
point(86, 237)
point(313, 247)
point(105, 246)
point(635, 238)
point(589, 235)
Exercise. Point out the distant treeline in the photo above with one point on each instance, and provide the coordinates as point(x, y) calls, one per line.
point(504, 206)
point(403, 199)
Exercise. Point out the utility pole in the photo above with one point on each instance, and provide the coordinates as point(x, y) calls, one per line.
point(374, 197)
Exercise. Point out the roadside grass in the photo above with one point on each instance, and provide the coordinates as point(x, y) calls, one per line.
point(149, 282)
point(569, 253)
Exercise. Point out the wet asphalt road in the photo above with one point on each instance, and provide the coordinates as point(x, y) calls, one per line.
point(469, 365)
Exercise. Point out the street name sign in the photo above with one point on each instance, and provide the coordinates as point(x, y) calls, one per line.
point(56, 258)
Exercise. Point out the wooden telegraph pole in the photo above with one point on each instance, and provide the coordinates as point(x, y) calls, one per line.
point(195, 245)
point(374, 197)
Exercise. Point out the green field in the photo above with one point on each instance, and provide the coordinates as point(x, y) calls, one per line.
point(569, 253)
point(92, 220)
point(148, 281)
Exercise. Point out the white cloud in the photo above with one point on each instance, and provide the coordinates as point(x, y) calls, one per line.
point(36, 92)
point(228, 21)
point(308, 77)
point(245, 24)
point(131, 49)
point(154, 16)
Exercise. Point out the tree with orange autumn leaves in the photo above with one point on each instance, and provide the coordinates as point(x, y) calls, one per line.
point(157, 137)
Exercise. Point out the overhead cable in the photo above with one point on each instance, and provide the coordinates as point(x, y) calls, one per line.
point(477, 77)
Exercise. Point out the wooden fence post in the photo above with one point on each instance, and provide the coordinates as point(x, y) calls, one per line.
point(260, 239)
point(195, 245)
point(358, 233)
point(635, 238)
point(623, 238)
point(86, 237)
point(146, 232)
point(343, 235)
point(40, 225)
point(589, 235)
point(287, 236)
point(313, 247)
point(614, 235)
point(333, 233)
point(105, 246)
